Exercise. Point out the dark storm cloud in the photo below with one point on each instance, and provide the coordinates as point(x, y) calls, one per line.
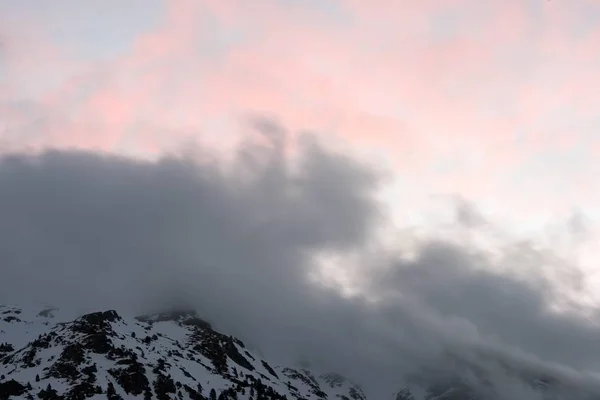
point(237, 241)
point(72, 220)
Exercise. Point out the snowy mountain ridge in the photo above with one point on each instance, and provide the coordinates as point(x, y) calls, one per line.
point(176, 355)
point(173, 355)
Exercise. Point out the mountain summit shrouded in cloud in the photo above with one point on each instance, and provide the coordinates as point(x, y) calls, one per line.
point(436, 229)
point(240, 242)
point(175, 353)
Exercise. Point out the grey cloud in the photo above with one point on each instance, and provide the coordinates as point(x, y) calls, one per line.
point(514, 310)
point(236, 241)
point(467, 214)
point(102, 231)
point(109, 215)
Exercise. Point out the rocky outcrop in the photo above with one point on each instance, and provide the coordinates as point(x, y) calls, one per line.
point(171, 355)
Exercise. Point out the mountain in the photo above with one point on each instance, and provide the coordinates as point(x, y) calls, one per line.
point(174, 355)
point(489, 377)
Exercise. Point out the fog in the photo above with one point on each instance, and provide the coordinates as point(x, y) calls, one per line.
point(238, 241)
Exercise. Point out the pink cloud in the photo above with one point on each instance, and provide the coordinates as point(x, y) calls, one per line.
point(481, 94)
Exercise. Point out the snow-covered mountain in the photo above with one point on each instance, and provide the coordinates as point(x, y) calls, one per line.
point(173, 355)
point(177, 355)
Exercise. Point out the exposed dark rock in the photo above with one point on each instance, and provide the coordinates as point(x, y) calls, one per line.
point(334, 380)
point(269, 369)
point(163, 385)
point(6, 348)
point(186, 317)
point(111, 393)
point(356, 393)
point(217, 347)
point(67, 366)
point(95, 322)
point(47, 313)
point(405, 394)
point(11, 388)
point(90, 371)
point(133, 378)
point(82, 391)
point(49, 394)
point(306, 378)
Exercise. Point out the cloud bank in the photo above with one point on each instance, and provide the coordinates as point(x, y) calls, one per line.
point(238, 240)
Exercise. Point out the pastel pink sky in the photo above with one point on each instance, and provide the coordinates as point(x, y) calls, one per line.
point(497, 101)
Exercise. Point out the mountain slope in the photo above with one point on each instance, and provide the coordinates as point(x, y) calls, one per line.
point(47, 355)
point(174, 355)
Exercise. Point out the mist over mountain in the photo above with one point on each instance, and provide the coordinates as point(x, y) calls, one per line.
point(177, 354)
point(246, 244)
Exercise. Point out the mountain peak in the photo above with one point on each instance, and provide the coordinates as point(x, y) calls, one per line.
point(176, 354)
point(182, 316)
point(167, 355)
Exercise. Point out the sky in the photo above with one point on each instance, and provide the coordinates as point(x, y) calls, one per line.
point(424, 167)
point(482, 98)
